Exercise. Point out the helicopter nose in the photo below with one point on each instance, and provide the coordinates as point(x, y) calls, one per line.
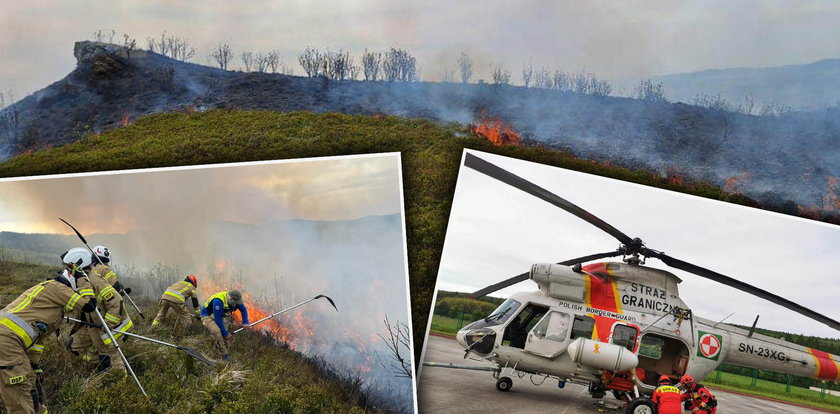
point(461, 337)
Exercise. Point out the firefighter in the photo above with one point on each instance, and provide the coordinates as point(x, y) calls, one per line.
point(697, 398)
point(175, 298)
point(92, 344)
point(24, 323)
point(214, 311)
point(103, 268)
point(667, 397)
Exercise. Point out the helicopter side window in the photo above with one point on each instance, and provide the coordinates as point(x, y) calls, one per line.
point(583, 327)
point(625, 336)
point(651, 347)
point(555, 326)
point(518, 328)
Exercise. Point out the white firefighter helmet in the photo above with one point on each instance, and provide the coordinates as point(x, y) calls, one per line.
point(78, 257)
point(103, 253)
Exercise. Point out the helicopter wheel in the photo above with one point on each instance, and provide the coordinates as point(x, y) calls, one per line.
point(504, 384)
point(640, 406)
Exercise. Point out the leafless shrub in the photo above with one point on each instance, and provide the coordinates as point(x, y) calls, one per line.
point(527, 74)
point(465, 65)
point(337, 65)
point(648, 91)
point(129, 44)
point(542, 79)
point(399, 346)
point(775, 109)
point(561, 81)
point(714, 102)
point(589, 84)
point(748, 105)
point(247, 60)
point(371, 65)
point(222, 55)
point(312, 62)
point(164, 77)
point(399, 65)
point(171, 46)
point(500, 75)
point(100, 36)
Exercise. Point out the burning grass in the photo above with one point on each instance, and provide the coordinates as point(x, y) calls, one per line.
point(261, 377)
point(495, 131)
point(431, 154)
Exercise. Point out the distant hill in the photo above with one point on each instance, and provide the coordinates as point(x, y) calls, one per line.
point(811, 86)
point(775, 159)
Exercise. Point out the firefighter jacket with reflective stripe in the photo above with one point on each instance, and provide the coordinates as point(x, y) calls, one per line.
point(179, 292)
point(108, 300)
point(105, 272)
point(40, 309)
point(699, 397)
point(217, 305)
point(668, 400)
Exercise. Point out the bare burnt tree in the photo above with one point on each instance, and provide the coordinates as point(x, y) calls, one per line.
point(600, 87)
point(648, 91)
point(355, 71)
point(465, 66)
point(247, 60)
point(311, 60)
point(399, 66)
point(337, 65)
point(527, 74)
point(371, 65)
point(542, 78)
point(222, 55)
point(399, 348)
point(261, 62)
point(100, 36)
point(273, 61)
point(500, 75)
point(174, 47)
point(129, 44)
point(180, 48)
point(580, 83)
point(561, 81)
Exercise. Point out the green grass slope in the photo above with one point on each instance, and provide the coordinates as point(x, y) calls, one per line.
point(261, 377)
point(431, 155)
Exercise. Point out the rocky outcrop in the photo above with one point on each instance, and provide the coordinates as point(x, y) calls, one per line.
point(104, 60)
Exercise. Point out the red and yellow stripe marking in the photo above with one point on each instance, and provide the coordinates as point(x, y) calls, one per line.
point(602, 293)
point(827, 366)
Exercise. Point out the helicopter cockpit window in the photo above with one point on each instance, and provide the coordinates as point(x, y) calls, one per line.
point(503, 312)
point(625, 336)
point(651, 347)
point(554, 326)
point(583, 327)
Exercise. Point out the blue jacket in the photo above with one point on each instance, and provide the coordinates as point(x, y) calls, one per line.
point(219, 314)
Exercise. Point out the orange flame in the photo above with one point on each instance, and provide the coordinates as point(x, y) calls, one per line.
point(495, 131)
point(125, 119)
point(737, 182)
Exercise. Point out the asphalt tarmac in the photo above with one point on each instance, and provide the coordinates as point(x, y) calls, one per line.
point(446, 390)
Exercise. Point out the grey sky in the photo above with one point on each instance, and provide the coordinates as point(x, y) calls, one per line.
point(254, 193)
point(616, 39)
point(496, 232)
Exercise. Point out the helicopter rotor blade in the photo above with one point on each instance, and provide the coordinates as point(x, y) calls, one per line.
point(745, 287)
point(524, 276)
point(520, 183)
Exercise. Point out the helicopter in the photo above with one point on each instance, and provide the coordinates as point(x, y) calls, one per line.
point(617, 326)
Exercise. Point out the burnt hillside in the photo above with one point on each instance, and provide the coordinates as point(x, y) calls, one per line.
point(790, 162)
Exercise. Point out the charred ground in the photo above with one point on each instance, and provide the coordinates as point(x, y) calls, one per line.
point(789, 163)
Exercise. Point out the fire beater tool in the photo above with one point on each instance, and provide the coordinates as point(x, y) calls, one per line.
point(288, 309)
point(191, 352)
point(82, 238)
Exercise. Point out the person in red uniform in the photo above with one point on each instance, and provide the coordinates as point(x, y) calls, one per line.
point(667, 397)
point(697, 398)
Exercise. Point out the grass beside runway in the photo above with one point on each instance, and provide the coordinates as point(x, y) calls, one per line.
point(773, 390)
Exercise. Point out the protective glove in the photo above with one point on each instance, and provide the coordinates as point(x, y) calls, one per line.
point(127, 291)
point(90, 306)
point(41, 326)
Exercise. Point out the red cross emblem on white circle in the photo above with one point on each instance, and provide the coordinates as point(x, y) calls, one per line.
point(709, 345)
